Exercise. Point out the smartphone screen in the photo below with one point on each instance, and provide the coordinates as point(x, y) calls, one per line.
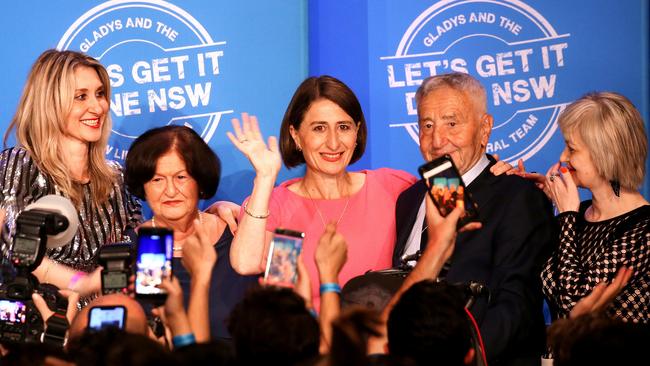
point(446, 188)
point(282, 261)
point(13, 311)
point(154, 260)
point(107, 316)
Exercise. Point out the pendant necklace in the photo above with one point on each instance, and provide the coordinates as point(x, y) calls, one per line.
point(322, 219)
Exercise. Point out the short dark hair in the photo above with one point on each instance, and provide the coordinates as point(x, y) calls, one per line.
point(112, 346)
point(595, 339)
point(429, 323)
point(272, 326)
point(310, 90)
point(202, 163)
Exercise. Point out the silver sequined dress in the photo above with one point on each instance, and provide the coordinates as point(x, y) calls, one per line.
point(22, 183)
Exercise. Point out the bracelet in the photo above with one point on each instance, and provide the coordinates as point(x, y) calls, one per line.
point(253, 215)
point(183, 340)
point(75, 278)
point(330, 287)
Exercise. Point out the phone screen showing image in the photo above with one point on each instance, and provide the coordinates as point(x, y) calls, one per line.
point(107, 316)
point(446, 188)
point(154, 260)
point(281, 265)
point(13, 311)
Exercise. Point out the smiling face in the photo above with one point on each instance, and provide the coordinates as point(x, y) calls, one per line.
point(327, 137)
point(172, 193)
point(578, 160)
point(449, 124)
point(89, 108)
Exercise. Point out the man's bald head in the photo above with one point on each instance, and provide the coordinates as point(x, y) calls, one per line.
point(136, 321)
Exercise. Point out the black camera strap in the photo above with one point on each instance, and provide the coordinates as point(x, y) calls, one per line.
point(57, 325)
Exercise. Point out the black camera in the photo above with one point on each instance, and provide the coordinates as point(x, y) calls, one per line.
point(117, 261)
point(20, 321)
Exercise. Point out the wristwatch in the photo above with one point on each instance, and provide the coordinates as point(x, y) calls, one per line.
point(56, 327)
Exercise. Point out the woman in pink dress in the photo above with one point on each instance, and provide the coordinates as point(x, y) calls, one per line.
point(323, 128)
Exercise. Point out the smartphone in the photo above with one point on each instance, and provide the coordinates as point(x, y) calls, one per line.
point(101, 317)
point(282, 261)
point(153, 261)
point(447, 190)
point(13, 312)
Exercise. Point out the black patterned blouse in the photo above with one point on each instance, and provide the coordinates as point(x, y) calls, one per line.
point(21, 183)
point(592, 252)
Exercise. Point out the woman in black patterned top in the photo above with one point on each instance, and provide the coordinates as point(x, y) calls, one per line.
point(604, 240)
point(62, 126)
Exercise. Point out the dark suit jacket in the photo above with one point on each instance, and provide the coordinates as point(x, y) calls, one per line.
point(506, 254)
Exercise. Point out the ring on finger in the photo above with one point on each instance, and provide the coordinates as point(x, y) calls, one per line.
point(552, 177)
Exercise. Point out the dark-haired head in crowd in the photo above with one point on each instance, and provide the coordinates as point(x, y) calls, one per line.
point(113, 347)
point(323, 128)
point(429, 325)
point(62, 126)
point(594, 339)
point(605, 239)
point(350, 333)
point(173, 168)
point(272, 326)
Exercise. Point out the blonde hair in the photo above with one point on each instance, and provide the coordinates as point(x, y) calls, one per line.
point(614, 134)
point(40, 123)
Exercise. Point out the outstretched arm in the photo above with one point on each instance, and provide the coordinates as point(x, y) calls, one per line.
point(250, 244)
point(442, 239)
point(199, 258)
point(331, 255)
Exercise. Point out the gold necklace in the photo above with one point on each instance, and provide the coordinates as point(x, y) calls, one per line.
point(320, 214)
point(175, 248)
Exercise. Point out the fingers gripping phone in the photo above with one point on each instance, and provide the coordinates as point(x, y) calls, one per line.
point(282, 261)
point(101, 317)
point(153, 262)
point(447, 190)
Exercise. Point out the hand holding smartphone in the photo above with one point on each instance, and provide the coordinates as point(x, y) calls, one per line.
point(101, 317)
point(154, 261)
point(282, 261)
point(447, 190)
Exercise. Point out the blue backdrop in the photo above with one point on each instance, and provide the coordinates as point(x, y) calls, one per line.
point(200, 63)
point(533, 57)
point(196, 63)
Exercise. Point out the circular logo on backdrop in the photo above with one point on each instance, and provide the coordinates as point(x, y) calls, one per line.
point(162, 63)
point(508, 46)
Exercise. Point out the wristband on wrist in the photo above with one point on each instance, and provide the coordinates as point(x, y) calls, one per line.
point(183, 340)
point(74, 279)
point(330, 287)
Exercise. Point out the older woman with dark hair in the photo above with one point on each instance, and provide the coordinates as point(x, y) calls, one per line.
point(323, 128)
point(605, 239)
point(173, 168)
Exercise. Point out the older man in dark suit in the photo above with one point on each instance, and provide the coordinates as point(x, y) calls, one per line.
point(517, 221)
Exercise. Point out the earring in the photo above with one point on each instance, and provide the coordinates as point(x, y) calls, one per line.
point(616, 187)
point(298, 148)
